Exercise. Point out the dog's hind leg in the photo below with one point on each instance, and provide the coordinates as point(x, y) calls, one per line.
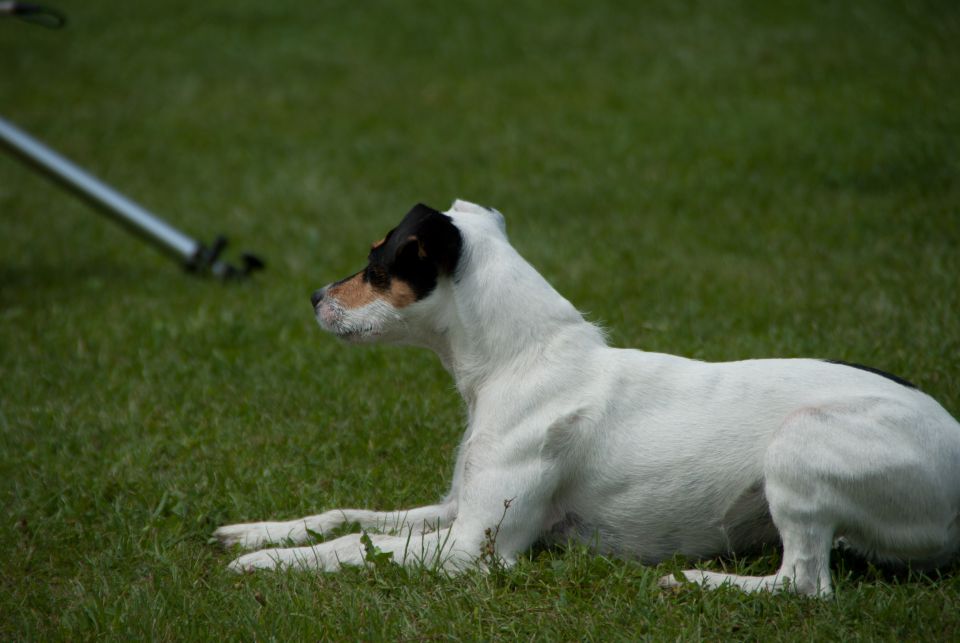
point(802, 502)
point(881, 473)
point(805, 568)
point(253, 535)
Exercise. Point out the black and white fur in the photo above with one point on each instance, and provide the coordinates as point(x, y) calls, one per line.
point(642, 455)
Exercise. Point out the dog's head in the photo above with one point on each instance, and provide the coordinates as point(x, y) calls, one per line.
point(403, 271)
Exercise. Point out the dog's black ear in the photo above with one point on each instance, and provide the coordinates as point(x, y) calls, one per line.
point(429, 236)
point(410, 251)
point(442, 243)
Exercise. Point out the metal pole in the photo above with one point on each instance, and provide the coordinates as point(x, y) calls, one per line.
point(98, 193)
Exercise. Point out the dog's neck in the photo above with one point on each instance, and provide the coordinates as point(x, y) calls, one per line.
point(497, 314)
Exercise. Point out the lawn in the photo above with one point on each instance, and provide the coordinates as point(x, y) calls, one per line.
point(720, 180)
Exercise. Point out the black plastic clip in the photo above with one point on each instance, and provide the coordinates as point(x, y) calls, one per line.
point(206, 261)
point(37, 14)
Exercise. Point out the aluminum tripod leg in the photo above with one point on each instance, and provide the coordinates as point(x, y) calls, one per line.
point(191, 253)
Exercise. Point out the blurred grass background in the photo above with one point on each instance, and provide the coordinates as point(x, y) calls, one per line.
point(720, 180)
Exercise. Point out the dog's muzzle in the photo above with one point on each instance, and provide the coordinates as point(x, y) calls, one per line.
point(327, 310)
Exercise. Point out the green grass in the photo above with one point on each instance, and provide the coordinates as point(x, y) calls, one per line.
point(720, 180)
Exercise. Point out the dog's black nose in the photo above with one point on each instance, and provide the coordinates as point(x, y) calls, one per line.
point(317, 297)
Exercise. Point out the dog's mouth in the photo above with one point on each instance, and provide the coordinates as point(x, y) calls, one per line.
point(329, 315)
point(355, 336)
point(332, 318)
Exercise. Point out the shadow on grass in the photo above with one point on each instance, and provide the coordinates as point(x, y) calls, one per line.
point(848, 569)
point(89, 277)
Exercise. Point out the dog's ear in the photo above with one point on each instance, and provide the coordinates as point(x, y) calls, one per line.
point(432, 239)
point(442, 242)
point(410, 251)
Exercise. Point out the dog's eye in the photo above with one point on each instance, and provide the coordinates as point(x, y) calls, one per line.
point(377, 277)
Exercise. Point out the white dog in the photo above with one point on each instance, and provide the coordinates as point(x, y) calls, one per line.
point(636, 454)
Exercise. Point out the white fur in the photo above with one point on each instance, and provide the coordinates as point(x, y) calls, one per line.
point(642, 455)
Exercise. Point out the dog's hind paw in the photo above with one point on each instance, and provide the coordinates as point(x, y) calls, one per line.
point(689, 576)
point(669, 581)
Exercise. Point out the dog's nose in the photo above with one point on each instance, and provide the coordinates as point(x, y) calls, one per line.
point(317, 297)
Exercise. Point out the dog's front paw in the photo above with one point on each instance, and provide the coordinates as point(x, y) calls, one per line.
point(251, 535)
point(303, 558)
point(263, 559)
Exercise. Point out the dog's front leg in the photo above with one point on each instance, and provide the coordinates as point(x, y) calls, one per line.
point(503, 508)
point(454, 549)
point(253, 535)
point(431, 549)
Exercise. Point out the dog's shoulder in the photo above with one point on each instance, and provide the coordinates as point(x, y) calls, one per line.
point(567, 435)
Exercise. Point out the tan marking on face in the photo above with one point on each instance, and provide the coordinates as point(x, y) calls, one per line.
point(377, 244)
point(400, 294)
point(354, 292)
